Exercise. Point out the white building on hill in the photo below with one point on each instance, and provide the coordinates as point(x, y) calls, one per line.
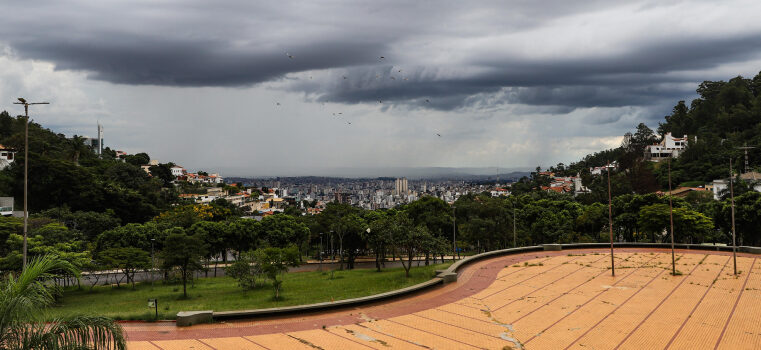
point(668, 147)
point(7, 156)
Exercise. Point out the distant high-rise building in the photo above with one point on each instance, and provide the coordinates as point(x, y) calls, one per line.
point(400, 187)
point(96, 143)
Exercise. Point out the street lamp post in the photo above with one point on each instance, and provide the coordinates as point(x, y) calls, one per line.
point(332, 251)
point(454, 232)
point(515, 245)
point(320, 251)
point(732, 196)
point(671, 217)
point(610, 225)
point(153, 262)
point(22, 101)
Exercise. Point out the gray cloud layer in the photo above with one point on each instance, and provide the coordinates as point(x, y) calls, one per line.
point(209, 85)
point(449, 52)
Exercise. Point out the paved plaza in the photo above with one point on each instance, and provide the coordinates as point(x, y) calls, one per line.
point(544, 300)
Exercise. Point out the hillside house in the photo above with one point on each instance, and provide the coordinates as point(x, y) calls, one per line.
point(669, 147)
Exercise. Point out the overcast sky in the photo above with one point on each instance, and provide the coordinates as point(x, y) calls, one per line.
point(368, 85)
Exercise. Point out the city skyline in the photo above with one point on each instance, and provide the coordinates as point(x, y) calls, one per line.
point(272, 91)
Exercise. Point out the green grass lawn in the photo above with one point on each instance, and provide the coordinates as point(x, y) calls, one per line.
point(223, 293)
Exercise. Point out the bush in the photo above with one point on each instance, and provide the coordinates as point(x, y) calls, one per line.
point(244, 271)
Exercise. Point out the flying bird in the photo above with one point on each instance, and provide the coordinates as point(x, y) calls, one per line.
point(278, 103)
point(383, 58)
point(379, 101)
point(437, 134)
point(427, 100)
point(289, 55)
point(344, 77)
point(400, 71)
point(349, 123)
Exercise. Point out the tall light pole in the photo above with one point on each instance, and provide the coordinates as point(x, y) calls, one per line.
point(22, 101)
point(671, 217)
point(514, 240)
point(610, 225)
point(454, 230)
point(153, 262)
point(732, 196)
point(320, 251)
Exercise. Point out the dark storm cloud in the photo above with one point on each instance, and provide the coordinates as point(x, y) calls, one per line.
point(634, 77)
point(435, 44)
point(156, 61)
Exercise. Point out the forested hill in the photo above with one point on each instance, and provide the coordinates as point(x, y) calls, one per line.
point(725, 116)
point(64, 172)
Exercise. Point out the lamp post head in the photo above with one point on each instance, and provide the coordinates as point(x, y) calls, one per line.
point(22, 100)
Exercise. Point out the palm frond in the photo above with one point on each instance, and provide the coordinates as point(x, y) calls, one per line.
point(24, 296)
point(79, 332)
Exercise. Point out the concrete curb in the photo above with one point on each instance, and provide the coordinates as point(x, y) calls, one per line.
point(450, 275)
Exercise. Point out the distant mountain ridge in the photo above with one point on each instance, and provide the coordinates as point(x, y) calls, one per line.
point(426, 173)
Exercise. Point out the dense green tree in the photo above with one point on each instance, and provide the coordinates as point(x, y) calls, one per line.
point(379, 236)
point(216, 237)
point(128, 260)
point(689, 226)
point(244, 235)
point(273, 262)
point(138, 159)
point(410, 241)
point(283, 230)
point(90, 223)
point(163, 172)
point(349, 229)
point(747, 219)
point(131, 236)
point(184, 252)
point(245, 270)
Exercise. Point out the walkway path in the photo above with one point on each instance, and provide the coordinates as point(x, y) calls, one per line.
point(542, 300)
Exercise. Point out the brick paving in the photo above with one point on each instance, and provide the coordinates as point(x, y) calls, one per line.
point(539, 300)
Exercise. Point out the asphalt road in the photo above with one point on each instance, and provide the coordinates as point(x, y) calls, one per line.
point(108, 278)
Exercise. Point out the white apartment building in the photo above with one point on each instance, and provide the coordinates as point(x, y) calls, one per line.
point(668, 147)
point(598, 170)
point(7, 155)
point(721, 187)
point(400, 187)
point(6, 206)
point(177, 170)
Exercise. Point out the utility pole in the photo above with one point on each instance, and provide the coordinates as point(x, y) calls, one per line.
point(454, 233)
point(514, 240)
point(732, 195)
point(332, 251)
point(671, 216)
point(610, 225)
point(26, 165)
point(153, 262)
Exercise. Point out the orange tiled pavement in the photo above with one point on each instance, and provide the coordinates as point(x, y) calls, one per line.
point(559, 300)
